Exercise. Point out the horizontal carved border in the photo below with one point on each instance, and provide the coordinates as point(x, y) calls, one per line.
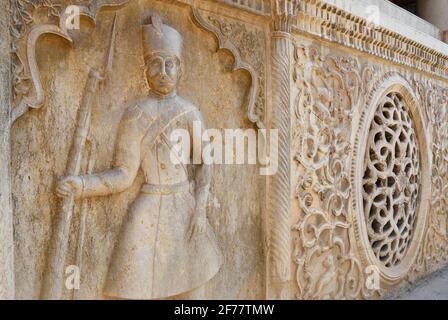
point(336, 25)
point(331, 23)
point(262, 7)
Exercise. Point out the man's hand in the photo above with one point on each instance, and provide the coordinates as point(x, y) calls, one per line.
point(197, 224)
point(71, 185)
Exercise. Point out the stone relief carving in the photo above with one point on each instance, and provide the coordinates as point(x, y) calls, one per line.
point(30, 82)
point(329, 246)
point(166, 246)
point(279, 202)
point(391, 180)
point(247, 47)
point(433, 251)
point(27, 86)
point(404, 203)
point(259, 6)
point(331, 23)
point(329, 91)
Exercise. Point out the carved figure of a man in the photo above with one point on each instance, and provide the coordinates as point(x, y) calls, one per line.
point(166, 246)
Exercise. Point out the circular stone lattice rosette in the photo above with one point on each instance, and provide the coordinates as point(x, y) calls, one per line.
point(391, 179)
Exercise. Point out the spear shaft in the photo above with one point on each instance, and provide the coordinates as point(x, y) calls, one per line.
point(53, 286)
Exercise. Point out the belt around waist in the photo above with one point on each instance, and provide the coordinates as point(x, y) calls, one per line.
point(165, 189)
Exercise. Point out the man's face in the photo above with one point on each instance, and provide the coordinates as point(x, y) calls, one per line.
point(162, 72)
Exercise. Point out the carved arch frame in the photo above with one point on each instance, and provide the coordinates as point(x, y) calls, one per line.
point(391, 82)
point(239, 64)
point(23, 45)
point(36, 100)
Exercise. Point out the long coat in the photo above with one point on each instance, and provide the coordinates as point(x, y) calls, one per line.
point(153, 258)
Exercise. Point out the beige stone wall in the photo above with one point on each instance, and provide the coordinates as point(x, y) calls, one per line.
point(6, 228)
point(314, 72)
point(42, 138)
point(324, 172)
point(328, 258)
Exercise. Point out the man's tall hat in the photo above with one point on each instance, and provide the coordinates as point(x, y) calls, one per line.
point(160, 37)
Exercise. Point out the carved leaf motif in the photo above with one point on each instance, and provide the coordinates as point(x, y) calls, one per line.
point(247, 48)
point(250, 46)
point(22, 16)
point(329, 90)
point(28, 91)
point(434, 251)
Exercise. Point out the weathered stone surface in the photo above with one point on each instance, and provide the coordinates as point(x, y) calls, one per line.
point(6, 228)
point(356, 208)
point(44, 136)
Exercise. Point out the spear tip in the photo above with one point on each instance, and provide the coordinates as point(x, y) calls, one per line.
point(110, 54)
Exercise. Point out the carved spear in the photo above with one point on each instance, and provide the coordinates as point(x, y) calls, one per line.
point(58, 247)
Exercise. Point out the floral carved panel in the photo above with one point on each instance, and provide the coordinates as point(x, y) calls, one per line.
point(370, 174)
point(28, 91)
point(434, 250)
point(328, 92)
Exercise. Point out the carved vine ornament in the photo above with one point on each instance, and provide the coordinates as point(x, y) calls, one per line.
point(389, 225)
point(341, 214)
point(28, 90)
point(329, 90)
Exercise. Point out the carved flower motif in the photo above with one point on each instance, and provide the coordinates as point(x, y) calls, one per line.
point(391, 180)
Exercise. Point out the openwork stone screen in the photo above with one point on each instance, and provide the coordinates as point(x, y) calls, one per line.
point(391, 180)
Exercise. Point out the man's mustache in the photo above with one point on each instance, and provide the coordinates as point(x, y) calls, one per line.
point(165, 80)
